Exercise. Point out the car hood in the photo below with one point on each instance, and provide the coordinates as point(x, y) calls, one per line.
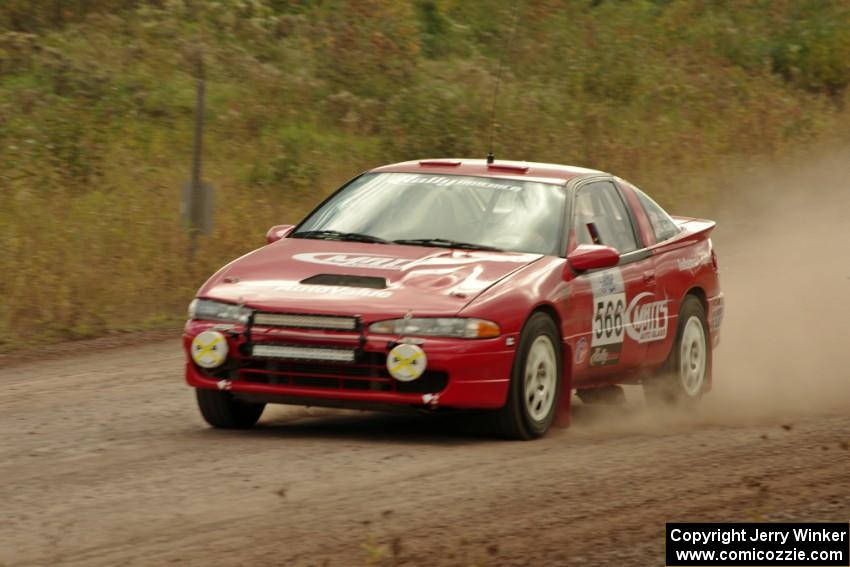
point(350, 278)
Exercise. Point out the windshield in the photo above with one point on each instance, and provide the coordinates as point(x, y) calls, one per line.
point(435, 210)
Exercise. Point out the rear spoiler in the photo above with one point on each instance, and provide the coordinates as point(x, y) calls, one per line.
point(693, 228)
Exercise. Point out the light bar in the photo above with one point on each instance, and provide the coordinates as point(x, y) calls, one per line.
point(305, 321)
point(303, 353)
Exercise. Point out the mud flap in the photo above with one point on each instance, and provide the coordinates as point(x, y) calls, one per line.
point(563, 413)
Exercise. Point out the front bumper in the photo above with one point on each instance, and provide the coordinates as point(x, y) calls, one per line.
point(460, 373)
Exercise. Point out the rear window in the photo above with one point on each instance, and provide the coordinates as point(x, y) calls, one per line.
point(663, 225)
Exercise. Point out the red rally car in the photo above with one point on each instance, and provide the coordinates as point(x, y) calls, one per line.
point(462, 284)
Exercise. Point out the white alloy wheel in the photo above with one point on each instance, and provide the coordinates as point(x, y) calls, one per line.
point(693, 357)
point(541, 375)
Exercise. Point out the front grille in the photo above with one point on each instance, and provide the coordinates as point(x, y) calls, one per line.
point(297, 321)
point(282, 351)
point(369, 374)
point(291, 352)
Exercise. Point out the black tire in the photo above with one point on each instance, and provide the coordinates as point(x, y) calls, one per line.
point(671, 385)
point(220, 409)
point(514, 420)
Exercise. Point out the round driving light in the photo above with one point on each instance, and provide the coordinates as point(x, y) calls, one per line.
point(209, 349)
point(406, 362)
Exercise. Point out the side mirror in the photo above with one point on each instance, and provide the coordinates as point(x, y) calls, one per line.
point(279, 231)
point(592, 257)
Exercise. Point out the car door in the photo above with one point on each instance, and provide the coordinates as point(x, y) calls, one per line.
point(601, 304)
point(672, 281)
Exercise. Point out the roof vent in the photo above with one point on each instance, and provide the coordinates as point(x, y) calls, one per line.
point(439, 162)
point(507, 168)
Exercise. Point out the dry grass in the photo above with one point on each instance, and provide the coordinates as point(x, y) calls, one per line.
point(96, 109)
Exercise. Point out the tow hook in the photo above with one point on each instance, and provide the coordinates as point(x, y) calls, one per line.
point(431, 400)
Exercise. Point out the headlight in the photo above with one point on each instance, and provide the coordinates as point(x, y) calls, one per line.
point(209, 310)
point(458, 327)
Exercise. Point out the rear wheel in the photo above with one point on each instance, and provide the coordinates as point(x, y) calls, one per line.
point(683, 377)
point(535, 382)
point(220, 409)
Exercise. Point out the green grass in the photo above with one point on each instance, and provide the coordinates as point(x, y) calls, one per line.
point(96, 101)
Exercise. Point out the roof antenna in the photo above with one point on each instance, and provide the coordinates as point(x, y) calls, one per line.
point(490, 156)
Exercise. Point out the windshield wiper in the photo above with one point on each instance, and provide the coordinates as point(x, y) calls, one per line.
point(339, 235)
point(444, 243)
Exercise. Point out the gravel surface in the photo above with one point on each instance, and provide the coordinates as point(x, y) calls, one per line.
point(104, 459)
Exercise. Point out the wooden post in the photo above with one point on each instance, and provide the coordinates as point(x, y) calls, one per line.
point(196, 198)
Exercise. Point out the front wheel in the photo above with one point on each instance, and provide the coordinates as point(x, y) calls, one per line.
point(684, 375)
point(220, 409)
point(535, 385)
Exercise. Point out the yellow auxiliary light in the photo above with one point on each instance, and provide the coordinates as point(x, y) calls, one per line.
point(209, 349)
point(406, 362)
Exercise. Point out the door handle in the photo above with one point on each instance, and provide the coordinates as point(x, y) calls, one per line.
point(649, 278)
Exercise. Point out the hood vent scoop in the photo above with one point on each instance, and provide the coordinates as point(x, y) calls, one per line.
point(346, 281)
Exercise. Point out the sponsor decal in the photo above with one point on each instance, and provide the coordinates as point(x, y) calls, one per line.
point(716, 314)
point(355, 260)
point(296, 287)
point(441, 258)
point(604, 356)
point(647, 320)
point(687, 264)
point(449, 181)
point(581, 350)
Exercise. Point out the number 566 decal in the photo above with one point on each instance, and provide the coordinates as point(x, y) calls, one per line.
point(609, 309)
point(608, 320)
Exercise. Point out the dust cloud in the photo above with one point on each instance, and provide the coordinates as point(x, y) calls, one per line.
point(783, 240)
point(783, 243)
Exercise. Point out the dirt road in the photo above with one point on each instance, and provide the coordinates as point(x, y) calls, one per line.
point(105, 461)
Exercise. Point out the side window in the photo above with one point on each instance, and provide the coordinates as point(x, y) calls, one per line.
point(601, 218)
point(662, 224)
